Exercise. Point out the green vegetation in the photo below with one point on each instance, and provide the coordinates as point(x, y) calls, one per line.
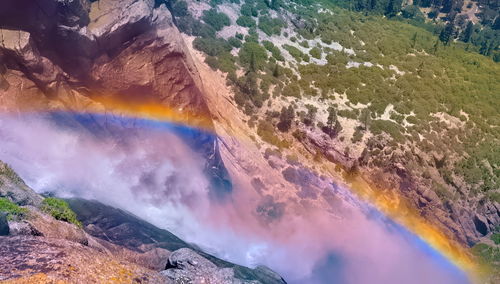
point(14, 211)
point(212, 46)
point(273, 49)
point(296, 53)
point(59, 209)
point(315, 52)
point(267, 132)
point(484, 35)
point(246, 21)
point(435, 75)
point(486, 254)
point(271, 26)
point(496, 238)
point(253, 55)
point(180, 8)
point(215, 19)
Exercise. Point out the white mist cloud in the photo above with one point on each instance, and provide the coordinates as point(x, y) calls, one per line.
point(155, 176)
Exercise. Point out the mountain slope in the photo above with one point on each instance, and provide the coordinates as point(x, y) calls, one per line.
point(302, 96)
point(112, 246)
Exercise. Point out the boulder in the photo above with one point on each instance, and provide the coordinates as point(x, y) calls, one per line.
point(22, 228)
point(4, 225)
point(113, 22)
point(185, 265)
point(49, 227)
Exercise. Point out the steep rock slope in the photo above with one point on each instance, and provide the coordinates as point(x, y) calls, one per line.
point(112, 245)
point(305, 71)
point(90, 57)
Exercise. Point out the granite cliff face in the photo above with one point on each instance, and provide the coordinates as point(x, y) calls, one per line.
point(80, 55)
point(73, 55)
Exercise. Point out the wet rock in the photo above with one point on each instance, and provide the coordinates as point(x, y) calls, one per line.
point(481, 224)
point(4, 225)
point(186, 265)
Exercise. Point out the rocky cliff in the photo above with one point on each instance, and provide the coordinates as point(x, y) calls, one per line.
point(111, 245)
point(87, 56)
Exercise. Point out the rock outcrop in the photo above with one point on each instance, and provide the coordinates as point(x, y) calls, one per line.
point(121, 229)
point(13, 188)
point(185, 265)
point(113, 245)
point(76, 55)
point(30, 259)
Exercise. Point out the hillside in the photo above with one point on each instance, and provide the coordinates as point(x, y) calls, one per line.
point(45, 240)
point(298, 135)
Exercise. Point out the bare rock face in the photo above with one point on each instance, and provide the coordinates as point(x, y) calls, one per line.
point(40, 224)
point(73, 54)
point(186, 266)
point(13, 188)
point(29, 259)
point(116, 247)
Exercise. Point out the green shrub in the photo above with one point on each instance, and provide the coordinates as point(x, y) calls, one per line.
point(59, 209)
point(212, 46)
point(295, 52)
point(486, 253)
point(248, 10)
point(234, 42)
point(304, 43)
point(215, 19)
point(271, 26)
point(315, 52)
point(246, 21)
point(212, 62)
point(180, 9)
point(267, 132)
point(393, 129)
point(292, 90)
point(275, 51)
point(357, 136)
point(253, 53)
point(13, 210)
point(496, 238)
point(226, 62)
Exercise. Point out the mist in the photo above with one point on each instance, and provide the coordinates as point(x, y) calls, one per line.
point(153, 174)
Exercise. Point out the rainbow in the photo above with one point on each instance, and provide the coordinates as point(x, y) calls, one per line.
point(387, 202)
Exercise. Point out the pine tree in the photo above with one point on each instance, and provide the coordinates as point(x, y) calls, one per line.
point(331, 121)
point(469, 30)
point(275, 4)
point(447, 5)
point(253, 67)
point(276, 71)
point(447, 33)
point(484, 48)
point(496, 24)
point(311, 114)
point(287, 114)
point(365, 118)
